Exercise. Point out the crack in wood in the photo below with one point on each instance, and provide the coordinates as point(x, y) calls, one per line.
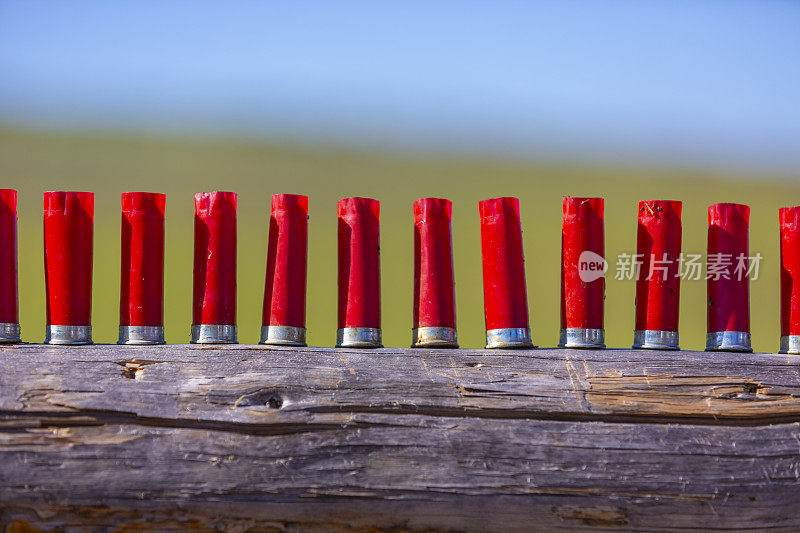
point(88, 417)
point(92, 417)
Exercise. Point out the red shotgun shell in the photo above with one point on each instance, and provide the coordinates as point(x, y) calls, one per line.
point(141, 291)
point(505, 298)
point(9, 302)
point(68, 236)
point(359, 274)
point(214, 310)
point(727, 283)
point(658, 283)
point(284, 317)
point(583, 268)
point(789, 221)
point(434, 283)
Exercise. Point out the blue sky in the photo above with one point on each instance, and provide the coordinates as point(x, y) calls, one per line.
point(684, 81)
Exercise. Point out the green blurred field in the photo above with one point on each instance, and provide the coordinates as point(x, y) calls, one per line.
point(108, 165)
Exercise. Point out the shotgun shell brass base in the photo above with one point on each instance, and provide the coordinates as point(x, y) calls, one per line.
point(141, 335)
point(653, 339)
point(214, 334)
point(68, 335)
point(283, 335)
point(728, 341)
point(9, 333)
point(790, 344)
point(582, 338)
point(434, 337)
point(509, 338)
point(359, 338)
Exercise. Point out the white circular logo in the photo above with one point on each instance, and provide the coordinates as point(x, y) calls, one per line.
point(591, 266)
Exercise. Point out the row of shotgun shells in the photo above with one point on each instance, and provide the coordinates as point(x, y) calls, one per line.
point(68, 229)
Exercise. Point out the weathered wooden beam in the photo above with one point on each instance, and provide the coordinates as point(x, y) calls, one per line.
point(254, 438)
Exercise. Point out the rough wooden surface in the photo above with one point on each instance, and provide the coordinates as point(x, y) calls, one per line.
point(249, 438)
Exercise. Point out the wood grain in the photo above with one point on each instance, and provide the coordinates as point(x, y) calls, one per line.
point(250, 438)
